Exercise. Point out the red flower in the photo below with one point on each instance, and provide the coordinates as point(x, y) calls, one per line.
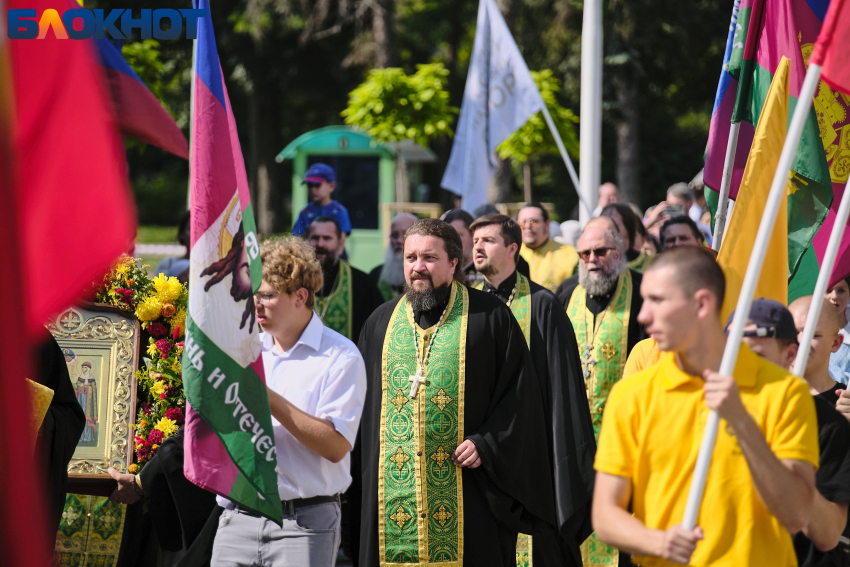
point(164, 346)
point(119, 290)
point(155, 437)
point(144, 451)
point(146, 408)
point(162, 396)
point(175, 415)
point(176, 333)
point(157, 330)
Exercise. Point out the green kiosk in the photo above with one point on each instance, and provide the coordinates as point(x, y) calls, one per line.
point(365, 184)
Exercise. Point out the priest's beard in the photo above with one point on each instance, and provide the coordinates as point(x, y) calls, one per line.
point(330, 260)
point(393, 271)
point(429, 299)
point(599, 283)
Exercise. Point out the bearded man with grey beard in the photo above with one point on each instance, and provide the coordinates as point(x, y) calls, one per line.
point(389, 276)
point(602, 302)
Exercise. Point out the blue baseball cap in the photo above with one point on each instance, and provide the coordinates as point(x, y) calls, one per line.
point(319, 172)
point(771, 318)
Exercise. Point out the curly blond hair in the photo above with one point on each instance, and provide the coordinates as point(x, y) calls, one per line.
point(290, 263)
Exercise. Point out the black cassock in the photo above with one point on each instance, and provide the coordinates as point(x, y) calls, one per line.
point(511, 491)
point(61, 429)
point(555, 355)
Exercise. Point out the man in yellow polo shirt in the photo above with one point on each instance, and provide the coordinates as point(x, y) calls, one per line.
point(549, 262)
point(761, 482)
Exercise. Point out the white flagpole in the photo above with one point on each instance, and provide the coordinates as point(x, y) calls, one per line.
point(590, 126)
point(823, 281)
point(564, 155)
point(742, 309)
point(725, 184)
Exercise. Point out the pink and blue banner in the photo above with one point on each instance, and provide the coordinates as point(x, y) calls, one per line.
point(229, 447)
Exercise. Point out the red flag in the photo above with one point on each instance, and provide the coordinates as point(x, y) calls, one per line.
point(69, 213)
point(832, 50)
point(75, 209)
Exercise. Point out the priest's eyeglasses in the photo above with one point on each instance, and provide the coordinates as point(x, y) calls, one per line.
point(264, 298)
point(598, 252)
point(529, 223)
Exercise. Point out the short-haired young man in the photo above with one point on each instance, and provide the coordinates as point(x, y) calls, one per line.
point(818, 544)
point(316, 381)
point(678, 231)
point(761, 483)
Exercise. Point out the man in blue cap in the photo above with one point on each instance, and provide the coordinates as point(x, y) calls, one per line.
point(321, 182)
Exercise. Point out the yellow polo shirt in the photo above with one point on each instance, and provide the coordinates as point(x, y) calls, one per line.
point(651, 433)
point(644, 354)
point(550, 264)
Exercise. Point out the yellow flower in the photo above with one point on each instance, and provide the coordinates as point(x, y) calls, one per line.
point(166, 426)
point(167, 289)
point(133, 468)
point(176, 366)
point(158, 388)
point(179, 320)
point(154, 447)
point(121, 269)
point(143, 424)
point(152, 350)
point(149, 309)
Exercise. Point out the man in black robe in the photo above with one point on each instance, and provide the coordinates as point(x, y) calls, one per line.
point(389, 276)
point(61, 428)
point(552, 342)
point(502, 463)
point(348, 295)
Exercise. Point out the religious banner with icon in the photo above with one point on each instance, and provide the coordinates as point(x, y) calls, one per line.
point(420, 490)
point(101, 348)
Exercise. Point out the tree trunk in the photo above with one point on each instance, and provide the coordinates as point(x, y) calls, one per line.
point(262, 170)
point(383, 23)
point(627, 121)
point(499, 188)
point(526, 181)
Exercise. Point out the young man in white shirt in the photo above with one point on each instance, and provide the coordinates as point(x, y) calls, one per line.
point(317, 385)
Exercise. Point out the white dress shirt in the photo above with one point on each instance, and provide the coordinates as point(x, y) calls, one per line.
point(324, 376)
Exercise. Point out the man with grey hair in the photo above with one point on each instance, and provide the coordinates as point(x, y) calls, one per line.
point(602, 302)
point(389, 276)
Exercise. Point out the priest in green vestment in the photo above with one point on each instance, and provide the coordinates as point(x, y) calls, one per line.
point(348, 296)
point(552, 343)
point(453, 438)
point(602, 302)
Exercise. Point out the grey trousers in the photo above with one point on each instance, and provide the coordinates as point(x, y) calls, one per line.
point(309, 537)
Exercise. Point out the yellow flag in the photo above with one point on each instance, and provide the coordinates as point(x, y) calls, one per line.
point(740, 238)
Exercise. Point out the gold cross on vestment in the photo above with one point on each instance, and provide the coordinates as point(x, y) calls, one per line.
point(399, 458)
point(442, 515)
point(441, 399)
point(416, 380)
point(608, 351)
point(401, 517)
point(440, 456)
point(399, 400)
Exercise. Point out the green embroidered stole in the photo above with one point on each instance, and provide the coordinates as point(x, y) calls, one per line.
point(90, 532)
point(420, 493)
point(639, 263)
point(520, 305)
point(387, 291)
point(603, 349)
point(335, 309)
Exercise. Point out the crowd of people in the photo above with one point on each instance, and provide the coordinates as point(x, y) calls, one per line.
point(501, 391)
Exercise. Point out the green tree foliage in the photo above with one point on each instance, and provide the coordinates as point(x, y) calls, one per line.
point(392, 106)
point(535, 138)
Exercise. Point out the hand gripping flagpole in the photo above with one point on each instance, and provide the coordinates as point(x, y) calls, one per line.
point(725, 183)
point(742, 309)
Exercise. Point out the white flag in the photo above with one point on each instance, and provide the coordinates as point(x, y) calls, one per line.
point(499, 98)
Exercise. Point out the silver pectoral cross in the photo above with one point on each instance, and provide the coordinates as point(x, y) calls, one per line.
point(587, 361)
point(416, 380)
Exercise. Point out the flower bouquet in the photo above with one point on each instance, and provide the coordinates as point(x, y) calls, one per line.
point(160, 305)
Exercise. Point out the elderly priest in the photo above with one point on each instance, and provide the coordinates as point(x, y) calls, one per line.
point(453, 435)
